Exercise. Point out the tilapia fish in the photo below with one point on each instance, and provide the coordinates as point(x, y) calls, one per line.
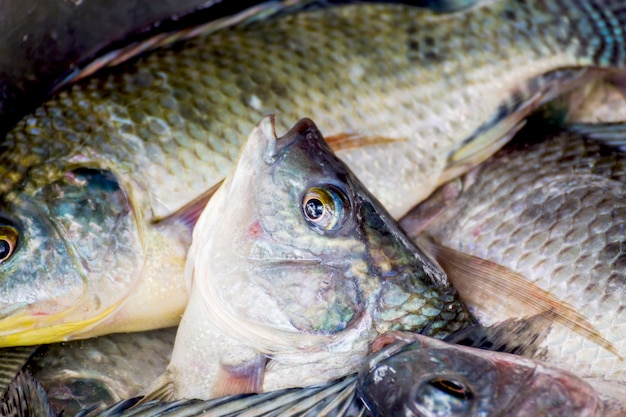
point(88, 175)
point(98, 372)
point(304, 271)
point(549, 209)
point(421, 376)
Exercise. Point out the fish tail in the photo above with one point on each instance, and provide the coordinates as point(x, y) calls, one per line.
point(597, 27)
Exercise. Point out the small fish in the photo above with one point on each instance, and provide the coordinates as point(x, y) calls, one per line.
point(422, 376)
point(305, 270)
point(98, 181)
point(542, 224)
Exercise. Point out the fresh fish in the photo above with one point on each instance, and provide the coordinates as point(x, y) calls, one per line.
point(28, 398)
point(422, 376)
point(547, 212)
point(290, 288)
point(89, 175)
point(99, 372)
point(42, 41)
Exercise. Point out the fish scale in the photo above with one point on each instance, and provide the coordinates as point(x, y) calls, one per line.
point(429, 94)
point(554, 212)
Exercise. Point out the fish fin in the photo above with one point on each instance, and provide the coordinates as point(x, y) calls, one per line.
point(243, 378)
point(479, 148)
point(422, 215)
point(493, 288)
point(510, 118)
point(25, 397)
point(161, 389)
point(611, 134)
point(517, 336)
point(131, 50)
point(343, 141)
point(190, 212)
point(12, 360)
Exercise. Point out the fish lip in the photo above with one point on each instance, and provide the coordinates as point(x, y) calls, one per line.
point(276, 146)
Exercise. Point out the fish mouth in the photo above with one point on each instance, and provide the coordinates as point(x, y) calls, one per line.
point(275, 146)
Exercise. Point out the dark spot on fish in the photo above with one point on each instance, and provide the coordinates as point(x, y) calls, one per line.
point(429, 41)
point(509, 15)
point(414, 45)
point(432, 56)
point(278, 89)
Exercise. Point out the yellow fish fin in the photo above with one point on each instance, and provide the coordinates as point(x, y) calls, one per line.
point(503, 292)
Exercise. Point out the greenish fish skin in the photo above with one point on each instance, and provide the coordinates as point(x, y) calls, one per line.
point(306, 269)
point(428, 377)
point(551, 207)
point(137, 143)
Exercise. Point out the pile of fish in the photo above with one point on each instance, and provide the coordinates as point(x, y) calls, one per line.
point(160, 188)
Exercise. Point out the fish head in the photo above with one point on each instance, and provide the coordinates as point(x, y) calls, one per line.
point(422, 376)
point(290, 244)
point(304, 246)
point(70, 253)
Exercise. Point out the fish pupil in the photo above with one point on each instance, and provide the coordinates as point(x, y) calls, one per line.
point(314, 209)
point(5, 249)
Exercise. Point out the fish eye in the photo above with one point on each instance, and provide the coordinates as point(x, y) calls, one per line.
point(325, 207)
point(8, 242)
point(442, 396)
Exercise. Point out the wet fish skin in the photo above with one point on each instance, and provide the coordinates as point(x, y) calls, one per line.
point(551, 208)
point(98, 372)
point(310, 293)
point(422, 376)
point(191, 106)
point(336, 398)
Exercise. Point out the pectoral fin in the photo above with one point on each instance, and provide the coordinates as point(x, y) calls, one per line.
point(190, 212)
point(501, 292)
point(243, 378)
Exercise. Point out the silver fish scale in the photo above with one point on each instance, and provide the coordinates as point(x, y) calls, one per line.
point(555, 212)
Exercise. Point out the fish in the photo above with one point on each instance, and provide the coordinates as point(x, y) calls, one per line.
point(103, 182)
point(78, 32)
point(422, 376)
point(99, 372)
point(27, 397)
point(290, 288)
point(545, 212)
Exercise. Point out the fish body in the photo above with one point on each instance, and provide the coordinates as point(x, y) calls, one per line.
point(304, 272)
point(550, 207)
point(99, 372)
point(427, 377)
point(89, 174)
